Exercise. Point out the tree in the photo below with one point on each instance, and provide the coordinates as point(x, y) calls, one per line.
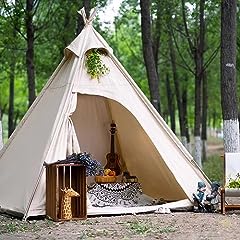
point(11, 126)
point(1, 132)
point(197, 49)
point(128, 47)
point(204, 116)
point(157, 33)
point(9, 57)
point(54, 25)
point(171, 104)
point(12, 67)
point(202, 83)
point(26, 14)
point(148, 54)
point(31, 7)
point(80, 22)
point(178, 93)
point(228, 76)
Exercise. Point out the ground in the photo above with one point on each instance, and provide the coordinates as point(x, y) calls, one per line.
point(215, 149)
point(176, 226)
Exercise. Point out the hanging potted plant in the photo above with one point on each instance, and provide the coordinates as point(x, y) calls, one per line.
point(94, 64)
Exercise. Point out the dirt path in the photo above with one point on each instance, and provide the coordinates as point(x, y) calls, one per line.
point(215, 149)
point(176, 226)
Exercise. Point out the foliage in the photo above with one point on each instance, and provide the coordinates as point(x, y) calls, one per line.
point(55, 25)
point(94, 64)
point(234, 182)
point(128, 47)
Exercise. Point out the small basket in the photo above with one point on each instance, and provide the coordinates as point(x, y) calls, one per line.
point(105, 179)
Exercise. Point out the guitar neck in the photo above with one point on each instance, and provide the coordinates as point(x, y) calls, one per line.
point(112, 150)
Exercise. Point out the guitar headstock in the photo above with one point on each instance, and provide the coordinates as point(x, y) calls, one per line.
point(113, 128)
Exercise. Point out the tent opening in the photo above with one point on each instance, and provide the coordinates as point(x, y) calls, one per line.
point(138, 155)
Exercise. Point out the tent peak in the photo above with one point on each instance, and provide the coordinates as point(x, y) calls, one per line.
point(91, 17)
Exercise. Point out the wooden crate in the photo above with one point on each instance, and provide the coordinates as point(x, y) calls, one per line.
point(59, 176)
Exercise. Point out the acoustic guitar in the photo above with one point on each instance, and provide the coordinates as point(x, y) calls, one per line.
point(112, 157)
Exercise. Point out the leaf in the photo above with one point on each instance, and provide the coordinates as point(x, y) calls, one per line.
point(95, 67)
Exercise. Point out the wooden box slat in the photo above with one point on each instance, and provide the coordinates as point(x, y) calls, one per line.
point(58, 177)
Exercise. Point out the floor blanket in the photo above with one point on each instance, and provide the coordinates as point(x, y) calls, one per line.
point(114, 194)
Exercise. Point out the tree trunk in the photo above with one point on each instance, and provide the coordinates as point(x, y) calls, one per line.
point(16, 119)
point(171, 107)
point(199, 70)
point(197, 111)
point(157, 35)
point(204, 117)
point(80, 22)
point(186, 142)
point(214, 117)
point(177, 85)
point(148, 54)
point(11, 97)
point(1, 132)
point(30, 51)
point(228, 76)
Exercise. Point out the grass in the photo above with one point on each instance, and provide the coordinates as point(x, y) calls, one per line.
point(213, 168)
point(138, 227)
point(93, 233)
point(89, 222)
point(167, 229)
point(16, 226)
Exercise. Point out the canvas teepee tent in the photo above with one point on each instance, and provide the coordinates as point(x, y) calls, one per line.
point(73, 112)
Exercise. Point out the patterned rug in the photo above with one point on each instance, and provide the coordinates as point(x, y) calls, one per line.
point(114, 194)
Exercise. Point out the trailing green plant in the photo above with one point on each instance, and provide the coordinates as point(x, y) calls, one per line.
point(94, 64)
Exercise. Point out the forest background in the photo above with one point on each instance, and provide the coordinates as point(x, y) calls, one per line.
point(171, 48)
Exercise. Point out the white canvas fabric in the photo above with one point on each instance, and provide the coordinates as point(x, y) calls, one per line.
point(232, 166)
point(73, 113)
